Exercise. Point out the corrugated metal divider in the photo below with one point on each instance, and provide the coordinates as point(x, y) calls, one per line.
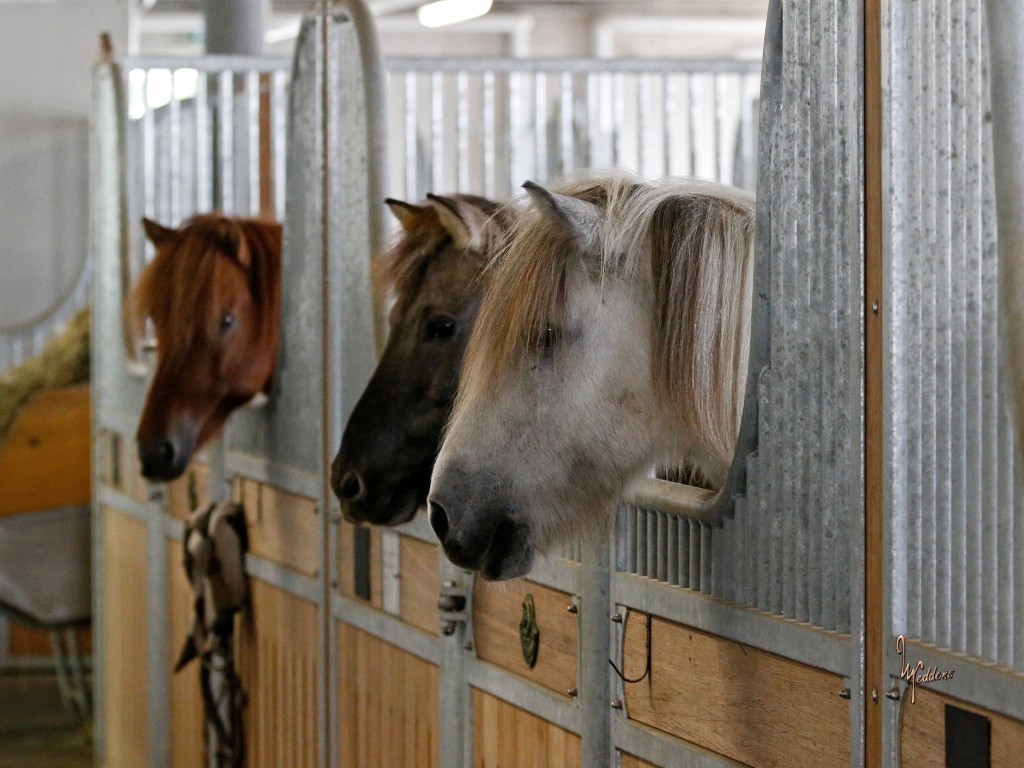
point(794, 546)
point(953, 511)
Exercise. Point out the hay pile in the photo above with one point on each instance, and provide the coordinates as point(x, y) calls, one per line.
point(63, 362)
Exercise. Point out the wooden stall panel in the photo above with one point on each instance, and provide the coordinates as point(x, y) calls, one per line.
point(190, 491)
point(46, 459)
point(283, 527)
point(124, 637)
point(497, 612)
point(505, 736)
point(277, 661)
point(749, 705)
point(923, 732)
point(419, 583)
point(388, 702)
point(186, 727)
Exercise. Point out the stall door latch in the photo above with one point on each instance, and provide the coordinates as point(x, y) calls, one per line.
point(453, 603)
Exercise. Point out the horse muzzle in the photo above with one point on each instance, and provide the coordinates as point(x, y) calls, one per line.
point(486, 540)
point(164, 459)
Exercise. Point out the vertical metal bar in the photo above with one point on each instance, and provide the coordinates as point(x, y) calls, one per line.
point(672, 549)
point(204, 149)
point(629, 516)
point(618, 116)
point(643, 124)
point(515, 135)
point(668, 100)
point(148, 155)
point(280, 109)
point(652, 544)
point(567, 148)
point(595, 675)
point(462, 130)
point(641, 542)
point(253, 175)
point(695, 555)
point(540, 125)
point(412, 154)
point(663, 546)
point(490, 144)
point(176, 150)
point(226, 142)
point(437, 130)
point(716, 110)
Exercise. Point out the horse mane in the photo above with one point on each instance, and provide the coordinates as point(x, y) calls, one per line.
point(399, 271)
point(690, 241)
point(177, 290)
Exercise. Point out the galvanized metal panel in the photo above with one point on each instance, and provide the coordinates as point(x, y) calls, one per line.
point(951, 469)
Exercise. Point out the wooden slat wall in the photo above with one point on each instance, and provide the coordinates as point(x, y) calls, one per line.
point(749, 705)
point(124, 626)
point(923, 732)
point(277, 659)
point(45, 462)
point(186, 727)
point(505, 736)
point(388, 701)
point(419, 584)
point(497, 611)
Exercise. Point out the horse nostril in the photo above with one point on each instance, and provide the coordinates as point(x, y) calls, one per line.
point(438, 520)
point(165, 452)
point(352, 487)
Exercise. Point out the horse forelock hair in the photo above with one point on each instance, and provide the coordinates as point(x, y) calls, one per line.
point(178, 289)
point(688, 241)
point(399, 271)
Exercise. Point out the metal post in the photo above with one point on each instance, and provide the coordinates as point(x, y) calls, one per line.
point(595, 651)
point(235, 26)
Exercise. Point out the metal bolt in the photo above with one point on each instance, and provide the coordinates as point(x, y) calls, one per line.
point(449, 585)
point(844, 694)
point(572, 692)
point(468, 646)
point(448, 628)
point(617, 618)
point(334, 583)
point(572, 608)
point(893, 693)
point(617, 704)
point(874, 307)
point(874, 695)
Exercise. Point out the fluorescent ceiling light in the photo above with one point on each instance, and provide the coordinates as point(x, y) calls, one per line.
point(444, 12)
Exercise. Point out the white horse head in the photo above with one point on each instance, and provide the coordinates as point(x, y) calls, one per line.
point(612, 339)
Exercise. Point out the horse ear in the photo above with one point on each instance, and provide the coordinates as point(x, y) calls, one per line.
point(158, 234)
point(579, 216)
point(406, 213)
point(465, 222)
point(256, 234)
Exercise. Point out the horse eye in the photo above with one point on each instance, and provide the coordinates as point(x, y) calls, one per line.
point(227, 321)
point(440, 327)
point(544, 341)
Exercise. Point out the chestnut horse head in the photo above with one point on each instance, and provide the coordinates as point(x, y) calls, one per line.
point(213, 293)
point(432, 273)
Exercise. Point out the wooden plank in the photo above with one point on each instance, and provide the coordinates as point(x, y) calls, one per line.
point(923, 732)
point(505, 736)
point(419, 583)
point(497, 611)
point(46, 461)
point(874, 394)
point(388, 704)
point(746, 704)
point(276, 654)
point(124, 628)
point(196, 479)
point(186, 727)
point(283, 527)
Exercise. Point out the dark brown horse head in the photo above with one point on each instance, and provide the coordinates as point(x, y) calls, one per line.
point(213, 294)
point(432, 273)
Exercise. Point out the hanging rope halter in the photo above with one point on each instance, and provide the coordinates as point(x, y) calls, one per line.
point(215, 543)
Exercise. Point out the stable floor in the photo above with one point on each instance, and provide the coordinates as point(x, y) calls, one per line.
point(35, 729)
